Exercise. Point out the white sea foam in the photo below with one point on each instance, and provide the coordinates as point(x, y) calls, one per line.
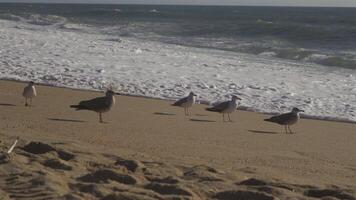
point(71, 58)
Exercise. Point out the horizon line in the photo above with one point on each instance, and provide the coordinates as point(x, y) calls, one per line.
point(178, 4)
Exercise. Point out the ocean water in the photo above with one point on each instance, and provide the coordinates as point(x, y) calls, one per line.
point(274, 58)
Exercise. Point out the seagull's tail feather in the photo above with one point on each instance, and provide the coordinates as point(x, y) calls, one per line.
point(269, 120)
point(78, 107)
point(212, 109)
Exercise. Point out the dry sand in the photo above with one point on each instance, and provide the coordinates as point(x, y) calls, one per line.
point(150, 150)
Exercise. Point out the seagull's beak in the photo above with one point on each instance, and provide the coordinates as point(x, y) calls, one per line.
point(239, 98)
point(301, 110)
point(117, 93)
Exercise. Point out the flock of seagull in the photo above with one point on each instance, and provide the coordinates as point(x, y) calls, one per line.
point(104, 104)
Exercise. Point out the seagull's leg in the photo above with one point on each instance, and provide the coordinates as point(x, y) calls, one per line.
point(291, 132)
point(100, 118)
point(185, 111)
point(285, 127)
point(228, 114)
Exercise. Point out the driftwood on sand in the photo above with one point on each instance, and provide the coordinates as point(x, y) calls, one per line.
point(13, 146)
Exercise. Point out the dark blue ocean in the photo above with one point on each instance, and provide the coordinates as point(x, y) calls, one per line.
point(326, 36)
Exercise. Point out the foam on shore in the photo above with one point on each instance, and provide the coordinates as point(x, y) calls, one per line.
point(83, 58)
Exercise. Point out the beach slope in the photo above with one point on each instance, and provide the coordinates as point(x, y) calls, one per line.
point(148, 149)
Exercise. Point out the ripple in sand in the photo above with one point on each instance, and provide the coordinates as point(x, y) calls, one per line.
point(56, 164)
point(166, 180)
point(91, 189)
point(104, 175)
point(203, 173)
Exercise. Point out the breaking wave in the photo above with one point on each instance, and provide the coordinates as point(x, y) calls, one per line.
point(318, 35)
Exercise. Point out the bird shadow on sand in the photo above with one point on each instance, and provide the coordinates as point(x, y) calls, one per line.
point(200, 115)
point(66, 120)
point(7, 104)
point(263, 132)
point(201, 120)
point(163, 113)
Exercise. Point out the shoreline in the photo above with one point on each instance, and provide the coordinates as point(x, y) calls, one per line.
point(203, 102)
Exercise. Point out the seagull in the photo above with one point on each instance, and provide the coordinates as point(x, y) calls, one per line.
point(226, 107)
point(286, 119)
point(29, 92)
point(99, 105)
point(186, 102)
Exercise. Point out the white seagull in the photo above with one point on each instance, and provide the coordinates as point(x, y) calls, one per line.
point(186, 102)
point(29, 92)
point(286, 119)
point(99, 105)
point(226, 107)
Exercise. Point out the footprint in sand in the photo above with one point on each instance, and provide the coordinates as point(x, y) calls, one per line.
point(243, 195)
point(38, 148)
point(131, 165)
point(275, 189)
point(252, 182)
point(4, 158)
point(128, 196)
point(91, 189)
point(169, 189)
point(42, 148)
point(323, 193)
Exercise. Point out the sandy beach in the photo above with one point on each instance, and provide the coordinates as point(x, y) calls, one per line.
point(148, 149)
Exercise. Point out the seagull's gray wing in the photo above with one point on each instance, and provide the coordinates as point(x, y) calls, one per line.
point(96, 104)
point(282, 119)
point(219, 107)
point(180, 101)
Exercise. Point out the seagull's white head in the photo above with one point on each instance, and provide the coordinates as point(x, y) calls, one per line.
point(297, 110)
point(235, 98)
point(192, 94)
